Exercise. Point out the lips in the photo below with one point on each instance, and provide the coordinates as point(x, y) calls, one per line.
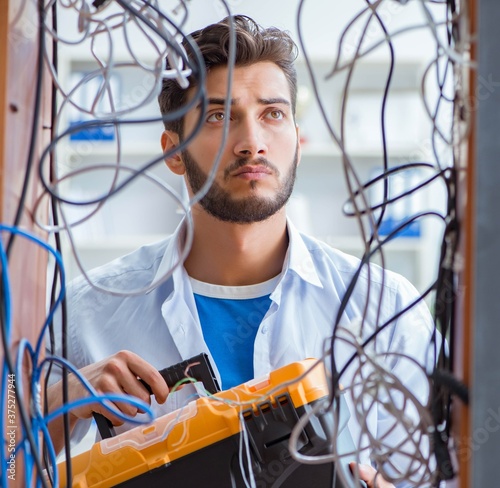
point(252, 170)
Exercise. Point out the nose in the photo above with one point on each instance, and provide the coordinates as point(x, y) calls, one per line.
point(250, 140)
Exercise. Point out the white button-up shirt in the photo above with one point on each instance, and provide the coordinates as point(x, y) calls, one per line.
point(163, 327)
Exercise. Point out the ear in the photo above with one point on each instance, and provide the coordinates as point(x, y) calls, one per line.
point(169, 141)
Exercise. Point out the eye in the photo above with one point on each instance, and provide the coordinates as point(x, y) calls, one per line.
point(216, 117)
point(276, 114)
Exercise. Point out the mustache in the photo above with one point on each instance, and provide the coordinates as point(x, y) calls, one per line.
point(260, 161)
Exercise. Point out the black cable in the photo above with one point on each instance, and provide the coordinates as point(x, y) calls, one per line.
point(55, 219)
point(348, 168)
point(365, 260)
point(376, 179)
point(444, 316)
point(385, 97)
point(453, 383)
point(370, 252)
point(445, 174)
point(57, 277)
point(444, 384)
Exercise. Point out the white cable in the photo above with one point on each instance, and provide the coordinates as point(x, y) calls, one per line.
point(244, 445)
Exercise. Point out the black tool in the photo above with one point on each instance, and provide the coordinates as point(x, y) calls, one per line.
point(198, 368)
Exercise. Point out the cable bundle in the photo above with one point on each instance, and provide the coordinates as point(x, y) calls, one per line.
point(423, 455)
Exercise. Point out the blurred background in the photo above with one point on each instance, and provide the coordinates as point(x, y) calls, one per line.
point(329, 31)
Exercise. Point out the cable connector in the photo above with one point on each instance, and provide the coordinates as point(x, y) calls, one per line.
point(36, 400)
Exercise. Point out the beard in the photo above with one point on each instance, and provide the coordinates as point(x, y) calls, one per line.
point(222, 205)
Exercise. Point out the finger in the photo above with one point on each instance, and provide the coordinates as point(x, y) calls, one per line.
point(110, 382)
point(120, 370)
point(370, 475)
point(140, 368)
point(109, 376)
point(157, 384)
point(364, 472)
point(109, 414)
point(110, 385)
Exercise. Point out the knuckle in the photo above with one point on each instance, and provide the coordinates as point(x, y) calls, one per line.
point(128, 356)
point(123, 355)
point(104, 384)
point(113, 366)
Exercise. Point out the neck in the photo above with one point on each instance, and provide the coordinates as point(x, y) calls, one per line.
point(229, 254)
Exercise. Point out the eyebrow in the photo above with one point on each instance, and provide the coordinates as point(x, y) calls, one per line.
point(273, 101)
point(234, 101)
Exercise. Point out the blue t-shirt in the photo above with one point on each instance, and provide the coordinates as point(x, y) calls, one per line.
point(230, 317)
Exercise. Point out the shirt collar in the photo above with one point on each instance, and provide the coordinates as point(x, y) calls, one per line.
point(298, 258)
point(172, 255)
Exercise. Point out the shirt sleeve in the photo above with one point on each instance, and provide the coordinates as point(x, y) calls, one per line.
point(83, 426)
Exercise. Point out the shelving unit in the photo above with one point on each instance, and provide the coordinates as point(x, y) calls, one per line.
point(321, 188)
point(138, 215)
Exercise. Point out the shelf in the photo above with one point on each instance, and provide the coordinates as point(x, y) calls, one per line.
point(150, 148)
point(353, 243)
point(404, 255)
point(326, 150)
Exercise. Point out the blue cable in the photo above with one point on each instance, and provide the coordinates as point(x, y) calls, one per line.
point(3, 459)
point(60, 264)
point(94, 398)
point(39, 422)
point(51, 452)
point(28, 461)
point(7, 325)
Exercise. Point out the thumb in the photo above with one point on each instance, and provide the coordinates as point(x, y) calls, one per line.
point(364, 471)
point(370, 475)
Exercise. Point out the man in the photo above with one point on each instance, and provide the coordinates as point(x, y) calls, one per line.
point(253, 293)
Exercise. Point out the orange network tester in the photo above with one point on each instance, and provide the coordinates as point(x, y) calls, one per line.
point(201, 444)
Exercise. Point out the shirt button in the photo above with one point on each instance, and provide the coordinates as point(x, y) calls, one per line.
point(264, 329)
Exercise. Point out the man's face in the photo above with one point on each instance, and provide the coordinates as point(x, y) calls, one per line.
point(257, 170)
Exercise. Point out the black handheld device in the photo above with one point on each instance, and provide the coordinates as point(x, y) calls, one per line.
point(198, 368)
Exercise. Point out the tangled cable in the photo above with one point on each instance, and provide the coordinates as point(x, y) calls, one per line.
point(422, 454)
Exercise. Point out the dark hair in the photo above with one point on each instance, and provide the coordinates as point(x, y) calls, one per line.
point(253, 44)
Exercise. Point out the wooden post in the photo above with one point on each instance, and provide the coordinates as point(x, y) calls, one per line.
point(19, 27)
point(466, 195)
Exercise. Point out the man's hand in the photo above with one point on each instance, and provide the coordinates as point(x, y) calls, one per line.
point(116, 374)
point(370, 475)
